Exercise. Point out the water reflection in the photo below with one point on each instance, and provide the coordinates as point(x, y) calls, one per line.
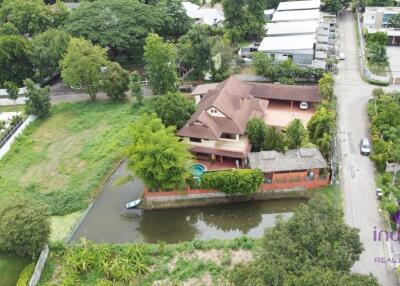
point(220, 221)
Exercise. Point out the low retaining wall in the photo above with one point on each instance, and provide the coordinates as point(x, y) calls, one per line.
point(39, 267)
point(193, 198)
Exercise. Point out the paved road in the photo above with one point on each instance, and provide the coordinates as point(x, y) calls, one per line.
point(357, 172)
point(59, 92)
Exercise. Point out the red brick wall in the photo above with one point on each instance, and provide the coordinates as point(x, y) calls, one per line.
point(296, 180)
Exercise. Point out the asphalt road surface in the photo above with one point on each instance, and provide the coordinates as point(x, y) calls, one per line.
point(357, 171)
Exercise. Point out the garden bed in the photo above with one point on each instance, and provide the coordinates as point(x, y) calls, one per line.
point(189, 263)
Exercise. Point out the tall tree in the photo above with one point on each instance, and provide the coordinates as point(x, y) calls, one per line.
point(160, 58)
point(195, 51)
point(12, 90)
point(256, 131)
point(377, 55)
point(37, 99)
point(15, 60)
point(82, 66)
point(156, 156)
point(24, 225)
point(48, 48)
point(174, 109)
point(274, 140)
point(295, 134)
point(326, 86)
point(135, 86)
point(115, 81)
point(121, 25)
point(32, 16)
point(313, 247)
point(176, 22)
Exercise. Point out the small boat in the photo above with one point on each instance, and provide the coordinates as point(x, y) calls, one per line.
point(133, 204)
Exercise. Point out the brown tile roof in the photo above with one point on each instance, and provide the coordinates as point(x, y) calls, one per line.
point(285, 92)
point(230, 97)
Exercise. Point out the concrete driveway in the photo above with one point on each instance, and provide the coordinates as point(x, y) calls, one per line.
point(357, 172)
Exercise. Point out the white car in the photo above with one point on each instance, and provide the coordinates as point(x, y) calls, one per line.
point(342, 56)
point(303, 105)
point(365, 147)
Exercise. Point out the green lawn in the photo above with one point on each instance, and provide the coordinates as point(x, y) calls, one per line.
point(10, 268)
point(63, 160)
point(9, 108)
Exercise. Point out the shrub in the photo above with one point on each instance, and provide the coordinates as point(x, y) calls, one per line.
point(26, 275)
point(256, 129)
point(24, 225)
point(238, 181)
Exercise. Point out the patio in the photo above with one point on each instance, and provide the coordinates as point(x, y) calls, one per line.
point(281, 113)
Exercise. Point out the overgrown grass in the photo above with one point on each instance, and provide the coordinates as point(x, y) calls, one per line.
point(331, 193)
point(63, 160)
point(10, 268)
point(88, 264)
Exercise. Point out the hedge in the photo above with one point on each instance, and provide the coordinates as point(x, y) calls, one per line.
point(238, 181)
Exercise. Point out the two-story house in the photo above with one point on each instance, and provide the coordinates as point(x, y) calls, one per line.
point(216, 130)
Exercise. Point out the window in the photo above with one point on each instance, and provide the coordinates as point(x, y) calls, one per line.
point(268, 178)
point(310, 176)
point(228, 136)
point(196, 140)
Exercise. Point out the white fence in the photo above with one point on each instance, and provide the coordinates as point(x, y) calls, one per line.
point(365, 71)
point(39, 266)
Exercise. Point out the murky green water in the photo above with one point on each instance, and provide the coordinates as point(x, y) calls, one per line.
point(109, 221)
point(221, 221)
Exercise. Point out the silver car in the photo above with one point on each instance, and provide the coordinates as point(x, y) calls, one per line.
point(365, 147)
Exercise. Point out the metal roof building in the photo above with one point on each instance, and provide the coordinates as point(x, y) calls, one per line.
point(302, 15)
point(285, 43)
point(292, 28)
point(299, 5)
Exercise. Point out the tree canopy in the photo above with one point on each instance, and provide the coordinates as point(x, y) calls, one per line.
point(156, 156)
point(15, 59)
point(194, 50)
point(176, 22)
point(24, 225)
point(160, 58)
point(121, 25)
point(32, 16)
point(115, 81)
point(82, 66)
point(256, 130)
point(295, 134)
point(37, 99)
point(48, 48)
point(313, 247)
point(174, 109)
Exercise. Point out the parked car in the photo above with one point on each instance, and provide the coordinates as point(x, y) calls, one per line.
point(365, 146)
point(378, 193)
point(303, 105)
point(342, 56)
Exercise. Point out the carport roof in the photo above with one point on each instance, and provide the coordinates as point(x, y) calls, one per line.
point(307, 93)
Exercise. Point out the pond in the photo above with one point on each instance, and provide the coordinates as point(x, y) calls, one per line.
point(109, 221)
